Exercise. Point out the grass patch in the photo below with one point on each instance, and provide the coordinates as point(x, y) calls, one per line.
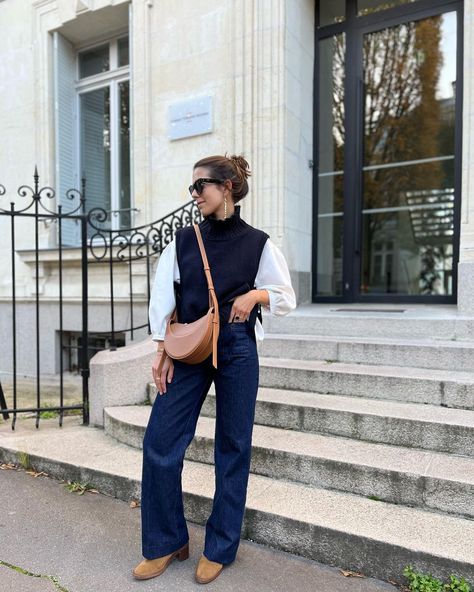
point(25, 572)
point(420, 582)
point(79, 488)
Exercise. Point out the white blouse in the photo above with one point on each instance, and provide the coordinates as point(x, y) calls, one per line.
point(272, 275)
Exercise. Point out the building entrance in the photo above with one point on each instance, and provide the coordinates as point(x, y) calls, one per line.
point(388, 88)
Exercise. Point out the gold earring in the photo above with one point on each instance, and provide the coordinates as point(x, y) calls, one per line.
point(225, 208)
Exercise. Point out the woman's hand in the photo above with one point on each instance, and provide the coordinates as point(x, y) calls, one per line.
point(166, 372)
point(243, 306)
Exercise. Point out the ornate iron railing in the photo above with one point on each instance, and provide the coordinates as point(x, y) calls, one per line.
point(127, 246)
point(99, 244)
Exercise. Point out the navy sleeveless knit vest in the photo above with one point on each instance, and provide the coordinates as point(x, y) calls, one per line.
point(233, 249)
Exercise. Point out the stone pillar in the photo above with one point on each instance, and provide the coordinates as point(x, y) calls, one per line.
point(258, 90)
point(466, 250)
point(272, 62)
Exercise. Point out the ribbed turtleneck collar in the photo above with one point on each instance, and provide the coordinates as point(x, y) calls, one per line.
point(217, 229)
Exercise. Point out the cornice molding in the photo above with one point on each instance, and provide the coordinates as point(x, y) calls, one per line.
point(82, 6)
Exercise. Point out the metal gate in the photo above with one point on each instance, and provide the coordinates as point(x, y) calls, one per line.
point(99, 243)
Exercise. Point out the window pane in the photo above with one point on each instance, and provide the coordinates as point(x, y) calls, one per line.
point(123, 57)
point(368, 6)
point(124, 155)
point(95, 146)
point(408, 179)
point(94, 61)
point(331, 11)
point(331, 166)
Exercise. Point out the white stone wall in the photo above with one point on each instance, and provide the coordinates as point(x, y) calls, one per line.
point(18, 129)
point(466, 248)
point(298, 144)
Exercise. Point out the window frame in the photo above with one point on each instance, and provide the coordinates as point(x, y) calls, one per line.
point(111, 79)
point(354, 27)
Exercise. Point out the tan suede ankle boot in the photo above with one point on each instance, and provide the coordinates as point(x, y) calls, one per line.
point(150, 568)
point(207, 570)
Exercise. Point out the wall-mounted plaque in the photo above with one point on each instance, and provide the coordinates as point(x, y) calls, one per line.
point(190, 118)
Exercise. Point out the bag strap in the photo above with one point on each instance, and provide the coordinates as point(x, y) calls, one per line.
point(212, 294)
point(207, 269)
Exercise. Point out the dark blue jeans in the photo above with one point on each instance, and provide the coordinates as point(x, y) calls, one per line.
point(171, 428)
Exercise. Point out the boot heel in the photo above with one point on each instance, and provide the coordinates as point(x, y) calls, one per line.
point(183, 553)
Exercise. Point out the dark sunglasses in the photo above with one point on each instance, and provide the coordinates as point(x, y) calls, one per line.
point(198, 185)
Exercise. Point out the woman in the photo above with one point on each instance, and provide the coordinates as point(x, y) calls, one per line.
point(248, 270)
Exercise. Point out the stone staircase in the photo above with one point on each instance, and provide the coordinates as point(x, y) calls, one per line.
point(363, 447)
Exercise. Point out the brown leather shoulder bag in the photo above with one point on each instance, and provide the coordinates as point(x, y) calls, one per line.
point(194, 342)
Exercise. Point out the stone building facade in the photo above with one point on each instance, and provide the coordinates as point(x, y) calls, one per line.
point(158, 84)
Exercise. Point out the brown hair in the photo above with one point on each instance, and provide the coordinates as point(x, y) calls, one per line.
point(234, 167)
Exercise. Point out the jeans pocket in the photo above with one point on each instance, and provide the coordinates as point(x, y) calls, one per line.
point(240, 342)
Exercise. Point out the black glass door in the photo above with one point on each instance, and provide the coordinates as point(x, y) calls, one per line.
point(388, 143)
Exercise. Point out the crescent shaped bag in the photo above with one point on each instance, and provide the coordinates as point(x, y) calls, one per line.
point(194, 342)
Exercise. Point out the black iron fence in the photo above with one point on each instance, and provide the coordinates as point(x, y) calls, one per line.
point(117, 250)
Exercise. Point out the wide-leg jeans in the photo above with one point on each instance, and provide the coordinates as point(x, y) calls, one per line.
point(169, 432)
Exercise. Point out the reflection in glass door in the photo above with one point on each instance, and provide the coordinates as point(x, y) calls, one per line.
point(409, 95)
point(331, 166)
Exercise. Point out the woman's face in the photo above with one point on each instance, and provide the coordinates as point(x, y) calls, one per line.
point(211, 199)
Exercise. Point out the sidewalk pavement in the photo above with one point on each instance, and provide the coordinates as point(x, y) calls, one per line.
point(91, 542)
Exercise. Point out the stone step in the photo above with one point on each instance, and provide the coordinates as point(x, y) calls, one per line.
point(449, 388)
point(421, 353)
point(412, 321)
point(335, 528)
point(431, 480)
point(412, 425)
point(427, 427)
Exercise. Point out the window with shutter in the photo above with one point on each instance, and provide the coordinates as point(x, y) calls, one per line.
point(92, 117)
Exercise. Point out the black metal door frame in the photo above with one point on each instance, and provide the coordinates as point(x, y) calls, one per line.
point(355, 28)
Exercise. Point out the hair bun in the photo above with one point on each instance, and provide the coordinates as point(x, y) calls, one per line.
point(241, 164)
point(235, 168)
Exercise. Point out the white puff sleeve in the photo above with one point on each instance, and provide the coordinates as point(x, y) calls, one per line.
point(162, 299)
point(273, 275)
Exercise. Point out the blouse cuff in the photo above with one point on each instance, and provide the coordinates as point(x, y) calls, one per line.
point(282, 299)
point(259, 332)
